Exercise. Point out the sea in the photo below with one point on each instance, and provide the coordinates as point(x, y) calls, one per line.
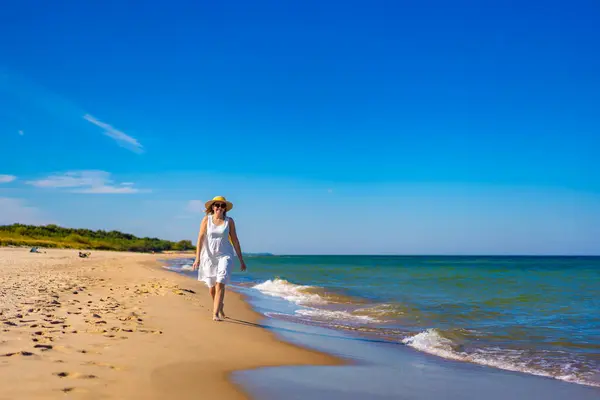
point(532, 315)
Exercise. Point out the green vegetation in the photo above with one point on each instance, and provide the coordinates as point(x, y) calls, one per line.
point(56, 236)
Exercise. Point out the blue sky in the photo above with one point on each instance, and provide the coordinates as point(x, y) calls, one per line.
point(427, 127)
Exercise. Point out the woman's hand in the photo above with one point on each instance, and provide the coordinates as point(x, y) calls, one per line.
point(236, 243)
point(195, 265)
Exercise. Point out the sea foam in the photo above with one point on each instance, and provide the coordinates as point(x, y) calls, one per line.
point(334, 315)
point(298, 294)
point(431, 341)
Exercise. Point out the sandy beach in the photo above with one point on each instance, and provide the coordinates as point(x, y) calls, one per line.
point(118, 326)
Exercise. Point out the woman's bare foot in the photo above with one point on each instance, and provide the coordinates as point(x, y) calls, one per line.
point(216, 318)
point(221, 312)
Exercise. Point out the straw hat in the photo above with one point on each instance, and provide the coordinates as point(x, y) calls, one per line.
point(209, 203)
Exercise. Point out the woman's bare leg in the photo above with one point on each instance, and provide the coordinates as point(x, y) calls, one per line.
point(213, 292)
point(222, 308)
point(218, 299)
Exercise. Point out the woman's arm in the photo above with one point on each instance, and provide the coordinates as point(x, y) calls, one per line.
point(201, 235)
point(236, 243)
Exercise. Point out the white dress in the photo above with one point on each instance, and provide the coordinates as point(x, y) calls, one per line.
point(217, 253)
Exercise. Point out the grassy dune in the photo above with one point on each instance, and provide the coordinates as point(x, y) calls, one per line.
point(53, 236)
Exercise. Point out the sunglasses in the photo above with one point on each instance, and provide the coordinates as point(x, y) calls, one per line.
point(220, 205)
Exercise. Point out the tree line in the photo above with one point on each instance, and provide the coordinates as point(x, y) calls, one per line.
point(56, 236)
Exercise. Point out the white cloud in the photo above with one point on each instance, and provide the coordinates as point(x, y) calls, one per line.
point(120, 137)
point(90, 182)
point(7, 178)
point(17, 211)
point(107, 189)
point(195, 206)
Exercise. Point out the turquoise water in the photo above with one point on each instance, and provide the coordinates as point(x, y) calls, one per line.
point(537, 315)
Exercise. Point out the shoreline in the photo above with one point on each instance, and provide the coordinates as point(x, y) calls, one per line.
point(381, 369)
point(118, 325)
point(280, 315)
point(388, 370)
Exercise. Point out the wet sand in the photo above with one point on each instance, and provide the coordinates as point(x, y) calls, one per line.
point(118, 326)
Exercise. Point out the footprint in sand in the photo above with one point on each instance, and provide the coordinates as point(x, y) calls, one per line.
point(83, 351)
point(156, 332)
point(74, 375)
point(73, 390)
point(101, 364)
point(22, 353)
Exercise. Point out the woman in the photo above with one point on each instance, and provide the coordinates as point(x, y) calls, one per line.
point(214, 251)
